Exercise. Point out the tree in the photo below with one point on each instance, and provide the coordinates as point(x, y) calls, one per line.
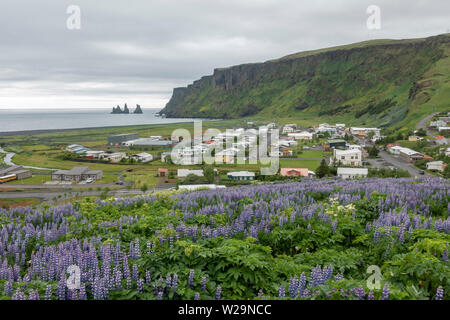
point(421, 132)
point(447, 171)
point(209, 174)
point(323, 169)
point(373, 152)
point(144, 188)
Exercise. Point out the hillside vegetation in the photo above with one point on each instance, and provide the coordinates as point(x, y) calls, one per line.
point(382, 82)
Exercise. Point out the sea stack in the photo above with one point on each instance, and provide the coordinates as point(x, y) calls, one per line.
point(138, 109)
point(116, 110)
point(125, 109)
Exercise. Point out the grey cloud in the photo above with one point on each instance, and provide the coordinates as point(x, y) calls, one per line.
point(145, 48)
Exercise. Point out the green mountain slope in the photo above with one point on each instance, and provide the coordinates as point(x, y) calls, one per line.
point(380, 82)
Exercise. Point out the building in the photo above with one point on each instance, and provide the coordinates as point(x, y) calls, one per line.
point(183, 173)
point(348, 157)
point(143, 157)
point(364, 131)
point(294, 172)
point(441, 141)
point(163, 172)
point(91, 154)
point(148, 142)
point(438, 123)
point(304, 135)
point(225, 156)
point(119, 139)
point(194, 187)
point(414, 138)
point(436, 166)
point(447, 152)
point(73, 146)
point(165, 156)
point(340, 126)
point(352, 173)
point(19, 171)
point(410, 155)
point(443, 129)
point(113, 157)
point(288, 129)
point(77, 174)
point(395, 149)
point(241, 175)
point(335, 143)
point(354, 147)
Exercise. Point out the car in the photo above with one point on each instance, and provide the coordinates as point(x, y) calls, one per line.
point(119, 182)
point(89, 180)
point(421, 172)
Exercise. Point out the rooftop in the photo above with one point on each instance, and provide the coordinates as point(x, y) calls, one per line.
point(360, 171)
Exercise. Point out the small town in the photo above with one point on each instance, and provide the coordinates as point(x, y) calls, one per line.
point(322, 150)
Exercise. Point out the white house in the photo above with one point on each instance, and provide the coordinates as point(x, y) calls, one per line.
point(143, 157)
point(241, 175)
point(396, 149)
point(183, 173)
point(288, 129)
point(438, 123)
point(354, 147)
point(304, 135)
point(364, 131)
point(447, 152)
point(443, 129)
point(348, 157)
point(351, 173)
point(193, 187)
point(113, 157)
point(436, 166)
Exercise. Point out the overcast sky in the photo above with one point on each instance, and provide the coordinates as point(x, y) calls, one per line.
point(137, 51)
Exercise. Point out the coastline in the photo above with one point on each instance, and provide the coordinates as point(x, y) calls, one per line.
point(42, 131)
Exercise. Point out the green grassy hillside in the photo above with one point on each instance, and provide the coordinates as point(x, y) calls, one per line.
point(388, 83)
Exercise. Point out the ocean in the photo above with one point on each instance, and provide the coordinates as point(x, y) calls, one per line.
point(48, 119)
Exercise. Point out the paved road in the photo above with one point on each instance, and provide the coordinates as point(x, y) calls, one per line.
point(8, 161)
point(49, 196)
point(400, 164)
point(423, 124)
point(62, 186)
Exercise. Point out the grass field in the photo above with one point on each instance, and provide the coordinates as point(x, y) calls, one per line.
point(17, 202)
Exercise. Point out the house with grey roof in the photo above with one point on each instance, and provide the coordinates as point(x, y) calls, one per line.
point(77, 174)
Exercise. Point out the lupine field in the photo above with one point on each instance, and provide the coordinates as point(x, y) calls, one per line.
point(305, 240)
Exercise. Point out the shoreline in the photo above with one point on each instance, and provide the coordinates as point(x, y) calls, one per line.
point(42, 131)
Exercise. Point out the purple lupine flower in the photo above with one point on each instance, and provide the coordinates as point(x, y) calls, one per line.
point(445, 255)
point(140, 285)
point(168, 281)
point(82, 295)
point(359, 292)
point(191, 279)
point(385, 293)
point(197, 296)
point(175, 282)
point(370, 296)
point(8, 289)
point(18, 295)
point(218, 292)
point(48, 293)
point(203, 284)
point(281, 292)
point(260, 293)
point(160, 295)
point(135, 272)
point(148, 277)
point(440, 293)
